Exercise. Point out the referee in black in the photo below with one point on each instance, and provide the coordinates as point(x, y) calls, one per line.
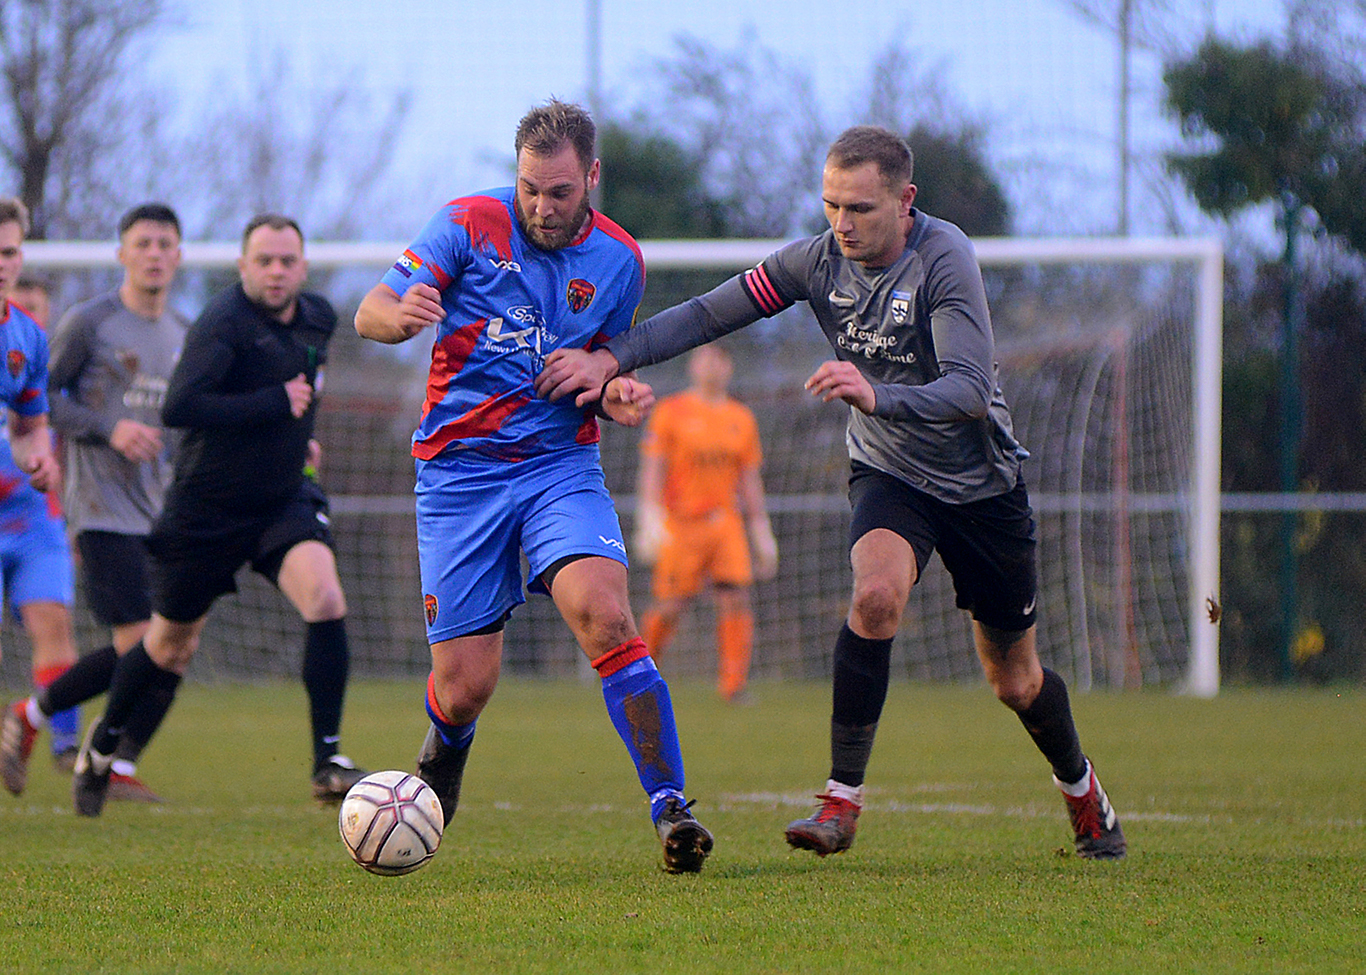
point(245, 393)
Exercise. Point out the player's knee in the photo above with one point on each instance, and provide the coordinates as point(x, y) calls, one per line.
point(330, 604)
point(463, 693)
point(876, 609)
point(599, 616)
point(1016, 691)
point(173, 652)
point(324, 600)
point(602, 631)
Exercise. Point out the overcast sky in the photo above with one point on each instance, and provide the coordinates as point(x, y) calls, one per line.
point(1038, 74)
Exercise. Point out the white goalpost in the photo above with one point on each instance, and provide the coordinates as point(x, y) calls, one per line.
point(1110, 353)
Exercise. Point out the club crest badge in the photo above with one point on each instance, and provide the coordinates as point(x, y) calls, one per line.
point(14, 362)
point(429, 605)
point(579, 294)
point(901, 307)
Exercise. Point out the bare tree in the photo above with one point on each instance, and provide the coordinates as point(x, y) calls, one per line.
point(317, 155)
point(1144, 24)
point(755, 124)
point(64, 106)
point(901, 96)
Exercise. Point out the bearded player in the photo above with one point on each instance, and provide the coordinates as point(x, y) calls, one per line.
point(507, 276)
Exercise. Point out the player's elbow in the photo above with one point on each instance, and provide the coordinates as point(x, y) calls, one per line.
point(972, 393)
point(373, 316)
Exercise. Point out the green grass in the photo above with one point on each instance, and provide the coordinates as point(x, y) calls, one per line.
point(1244, 816)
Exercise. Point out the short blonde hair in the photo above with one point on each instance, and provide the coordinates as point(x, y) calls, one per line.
point(12, 210)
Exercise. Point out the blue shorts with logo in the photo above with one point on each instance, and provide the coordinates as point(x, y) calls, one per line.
point(476, 515)
point(35, 562)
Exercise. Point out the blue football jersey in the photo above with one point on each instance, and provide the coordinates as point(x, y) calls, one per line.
point(508, 305)
point(24, 390)
point(23, 385)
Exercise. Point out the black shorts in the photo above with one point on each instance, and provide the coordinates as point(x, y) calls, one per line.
point(197, 549)
point(115, 569)
point(988, 546)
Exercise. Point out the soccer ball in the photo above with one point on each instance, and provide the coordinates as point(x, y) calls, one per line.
point(391, 822)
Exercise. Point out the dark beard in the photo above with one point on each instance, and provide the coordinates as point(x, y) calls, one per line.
point(559, 238)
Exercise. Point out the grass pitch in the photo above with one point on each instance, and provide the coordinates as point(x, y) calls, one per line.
point(1246, 819)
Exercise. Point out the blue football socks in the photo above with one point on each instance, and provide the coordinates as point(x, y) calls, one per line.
point(641, 710)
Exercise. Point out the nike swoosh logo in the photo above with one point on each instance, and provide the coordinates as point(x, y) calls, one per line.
point(840, 300)
point(1030, 608)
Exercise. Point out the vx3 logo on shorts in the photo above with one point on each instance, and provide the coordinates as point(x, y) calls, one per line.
point(613, 542)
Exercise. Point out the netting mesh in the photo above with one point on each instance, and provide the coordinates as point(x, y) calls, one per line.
point(1095, 362)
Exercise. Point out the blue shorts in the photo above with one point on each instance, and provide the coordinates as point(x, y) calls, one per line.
point(36, 563)
point(476, 514)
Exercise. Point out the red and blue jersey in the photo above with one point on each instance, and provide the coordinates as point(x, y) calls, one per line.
point(23, 384)
point(508, 305)
point(23, 389)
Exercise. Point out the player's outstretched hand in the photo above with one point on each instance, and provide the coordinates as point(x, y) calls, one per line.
point(576, 371)
point(841, 380)
point(627, 401)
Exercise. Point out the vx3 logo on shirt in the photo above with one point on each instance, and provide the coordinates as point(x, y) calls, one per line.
point(613, 542)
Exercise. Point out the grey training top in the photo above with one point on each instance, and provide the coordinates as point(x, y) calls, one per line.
point(108, 364)
point(919, 331)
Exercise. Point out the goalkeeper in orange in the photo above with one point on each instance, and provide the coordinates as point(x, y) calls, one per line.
point(701, 516)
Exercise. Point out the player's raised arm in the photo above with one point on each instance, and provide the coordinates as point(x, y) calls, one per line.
point(386, 316)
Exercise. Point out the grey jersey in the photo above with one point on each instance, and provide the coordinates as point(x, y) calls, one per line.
point(108, 364)
point(919, 331)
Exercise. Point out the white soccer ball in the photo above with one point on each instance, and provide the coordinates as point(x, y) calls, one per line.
point(391, 822)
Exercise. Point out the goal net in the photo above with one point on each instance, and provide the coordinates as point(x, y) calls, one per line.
point(1108, 354)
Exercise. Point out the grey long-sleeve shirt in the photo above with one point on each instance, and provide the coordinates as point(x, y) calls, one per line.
point(919, 331)
point(108, 364)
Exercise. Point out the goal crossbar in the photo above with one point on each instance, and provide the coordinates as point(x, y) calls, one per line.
point(1202, 504)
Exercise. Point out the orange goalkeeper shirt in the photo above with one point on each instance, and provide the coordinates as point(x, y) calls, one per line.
point(706, 445)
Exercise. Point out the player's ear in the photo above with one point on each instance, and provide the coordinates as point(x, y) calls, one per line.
point(908, 197)
point(594, 174)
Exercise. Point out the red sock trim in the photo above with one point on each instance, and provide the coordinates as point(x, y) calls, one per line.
point(623, 656)
point(432, 701)
point(43, 676)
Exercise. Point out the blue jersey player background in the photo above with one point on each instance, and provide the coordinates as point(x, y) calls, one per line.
point(35, 561)
point(44, 592)
point(506, 277)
